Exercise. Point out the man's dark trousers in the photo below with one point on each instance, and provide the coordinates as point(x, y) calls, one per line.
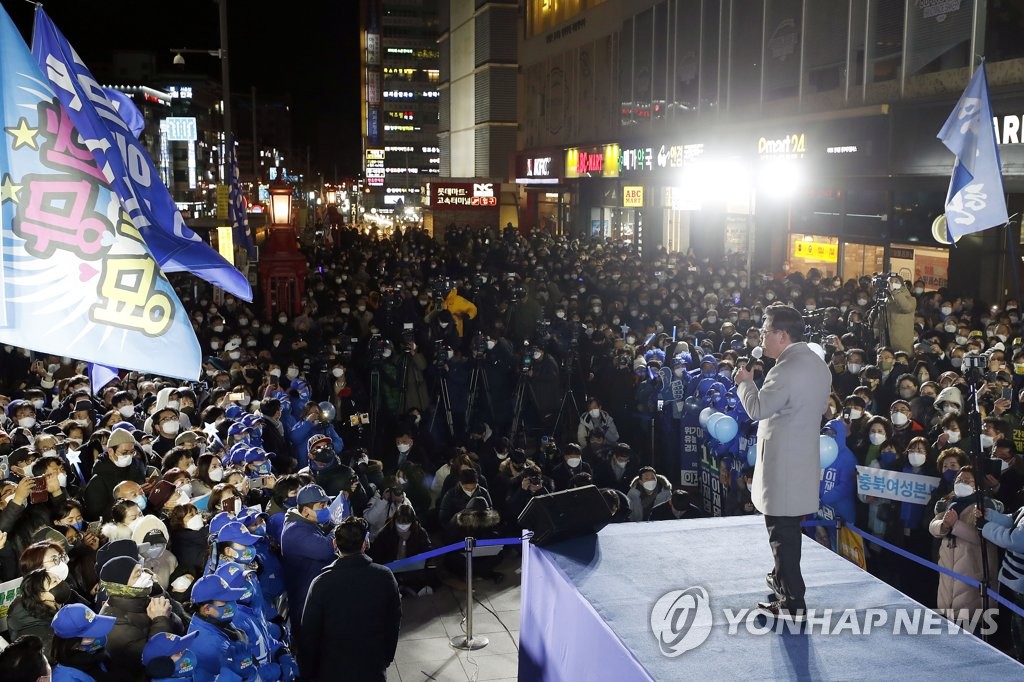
point(785, 539)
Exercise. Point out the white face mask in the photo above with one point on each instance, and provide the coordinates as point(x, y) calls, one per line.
point(123, 461)
point(650, 485)
point(853, 367)
point(490, 344)
point(986, 441)
point(403, 527)
point(538, 355)
point(292, 372)
point(876, 438)
point(234, 355)
point(898, 418)
point(143, 581)
point(216, 474)
point(170, 428)
point(62, 480)
point(338, 372)
point(916, 459)
point(573, 462)
point(126, 410)
point(194, 523)
point(49, 453)
point(404, 447)
point(27, 422)
point(192, 469)
point(38, 403)
point(60, 571)
point(185, 490)
point(952, 436)
point(184, 582)
point(595, 413)
point(856, 414)
point(963, 489)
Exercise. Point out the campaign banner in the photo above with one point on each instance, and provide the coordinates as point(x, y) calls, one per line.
point(77, 278)
point(851, 547)
point(125, 164)
point(9, 591)
point(690, 433)
point(895, 485)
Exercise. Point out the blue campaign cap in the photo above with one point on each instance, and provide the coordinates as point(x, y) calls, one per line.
point(250, 420)
point(78, 620)
point(249, 516)
point(255, 454)
point(213, 588)
point(165, 645)
point(219, 521)
point(236, 532)
point(232, 573)
point(233, 411)
point(237, 429)
point(311, 494)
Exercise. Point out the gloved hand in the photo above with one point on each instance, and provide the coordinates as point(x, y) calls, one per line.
point(240, 661)
point(289, 668)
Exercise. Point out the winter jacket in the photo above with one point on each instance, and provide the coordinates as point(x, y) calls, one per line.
point(130, 634)
point(21, 621)
point(301, 432)
point(190, 546)
point(460, 308)
point(351, 622)
point(604, 424)
point(1007, 532)
point(839, 480)
point(455, 500)
point(960, 551)
point(385, 548)
point(899, 317)
point(99, 491)
point(306, 548)
point(641, 502)
point(220, 653)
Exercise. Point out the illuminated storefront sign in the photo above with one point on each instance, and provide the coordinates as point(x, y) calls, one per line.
point(600, 162)
point(816, 251)
point(539, 167)
point(375, 172)
point(633, 197)
point(791, 146)
point(463, 195)
point(657, 157)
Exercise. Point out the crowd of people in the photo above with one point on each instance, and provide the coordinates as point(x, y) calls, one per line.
point(427, 391)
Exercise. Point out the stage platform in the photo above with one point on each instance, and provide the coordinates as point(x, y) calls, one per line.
point(587, 605)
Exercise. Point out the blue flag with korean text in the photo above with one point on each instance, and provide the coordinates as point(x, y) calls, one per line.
point(975, 200)
point(76, 277)
point(126, 165)
point(236, 210)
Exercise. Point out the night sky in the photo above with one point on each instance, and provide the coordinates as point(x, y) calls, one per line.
point(307, 48)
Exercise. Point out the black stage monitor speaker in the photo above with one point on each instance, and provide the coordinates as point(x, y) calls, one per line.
point(565, 514)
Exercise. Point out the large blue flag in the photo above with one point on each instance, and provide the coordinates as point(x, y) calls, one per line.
point(76, 276)
point(236, 210)
point(127, 166)
point(975, 200)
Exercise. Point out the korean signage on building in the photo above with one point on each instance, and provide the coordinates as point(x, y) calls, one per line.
point(463, 195)
point(816, 251)
point(372, 48)
point(181, 129)
point(657, 157)
point(375, 167)
point(633, 197)
point(539, 167)
point(592, 162)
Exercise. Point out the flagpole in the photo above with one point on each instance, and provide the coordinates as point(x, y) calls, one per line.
point(225, 78)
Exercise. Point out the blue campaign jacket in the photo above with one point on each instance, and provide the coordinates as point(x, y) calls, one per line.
point(306, 549)
point(303, 429)
point(272, 575)
point(62, 673)
point(212, 648)
point(261, 642)
point(839, 481)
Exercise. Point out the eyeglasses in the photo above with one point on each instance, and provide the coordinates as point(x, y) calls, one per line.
point(56, 560)
point(765, 332)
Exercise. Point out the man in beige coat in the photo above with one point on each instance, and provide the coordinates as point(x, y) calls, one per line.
point(788, 409)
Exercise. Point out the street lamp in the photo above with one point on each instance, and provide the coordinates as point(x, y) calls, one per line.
point(282, 269)
point(225, 80)
point(280, 204)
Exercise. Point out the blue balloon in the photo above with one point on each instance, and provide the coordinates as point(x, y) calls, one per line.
point(705, 415)
point(828, 450)
point(692, 404)
point(752, 454)
point(723, 429)
point(703, 386)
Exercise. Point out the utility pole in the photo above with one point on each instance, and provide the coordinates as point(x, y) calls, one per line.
point(225, 76)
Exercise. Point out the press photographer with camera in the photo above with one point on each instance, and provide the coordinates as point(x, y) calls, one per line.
point(892, 316)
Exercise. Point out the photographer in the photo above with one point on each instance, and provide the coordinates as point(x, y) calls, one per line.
point(314, 422)
point(893, 321)
point(596, 419)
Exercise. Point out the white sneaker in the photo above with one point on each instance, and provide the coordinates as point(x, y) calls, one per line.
point(425, 591)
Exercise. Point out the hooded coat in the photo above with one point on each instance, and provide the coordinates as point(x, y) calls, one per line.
point(960, 551)
point(131, 632)
point(306, 548)
point(642, 503)
point(99, 491)
point(839, 481)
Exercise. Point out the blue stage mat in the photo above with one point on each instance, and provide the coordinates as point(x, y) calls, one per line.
point(622, 573)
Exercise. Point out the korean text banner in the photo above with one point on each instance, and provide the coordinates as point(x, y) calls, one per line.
point(77, 278)
point(895, 485)
point(126, 165)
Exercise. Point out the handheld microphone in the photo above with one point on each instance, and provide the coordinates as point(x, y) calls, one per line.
point(755, 355)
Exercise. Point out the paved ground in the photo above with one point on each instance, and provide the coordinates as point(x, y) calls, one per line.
point(428, 623)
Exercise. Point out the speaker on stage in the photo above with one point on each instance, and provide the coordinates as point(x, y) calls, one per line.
point(565, 514)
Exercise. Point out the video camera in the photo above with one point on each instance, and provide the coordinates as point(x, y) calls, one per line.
point(440, 354)
point(880, 283)
point(526, 361)
point(377, 345)
point(408, 335)
point(478, 346)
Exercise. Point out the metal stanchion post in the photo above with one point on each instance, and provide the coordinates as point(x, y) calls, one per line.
point(468, 642)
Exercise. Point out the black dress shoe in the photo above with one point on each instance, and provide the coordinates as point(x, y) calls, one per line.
point(775, 609)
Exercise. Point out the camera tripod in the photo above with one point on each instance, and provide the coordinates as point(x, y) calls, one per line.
point(522, 388)
point(374, 402)
point(477, 376)
point(443, 400)
point(570, 365)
